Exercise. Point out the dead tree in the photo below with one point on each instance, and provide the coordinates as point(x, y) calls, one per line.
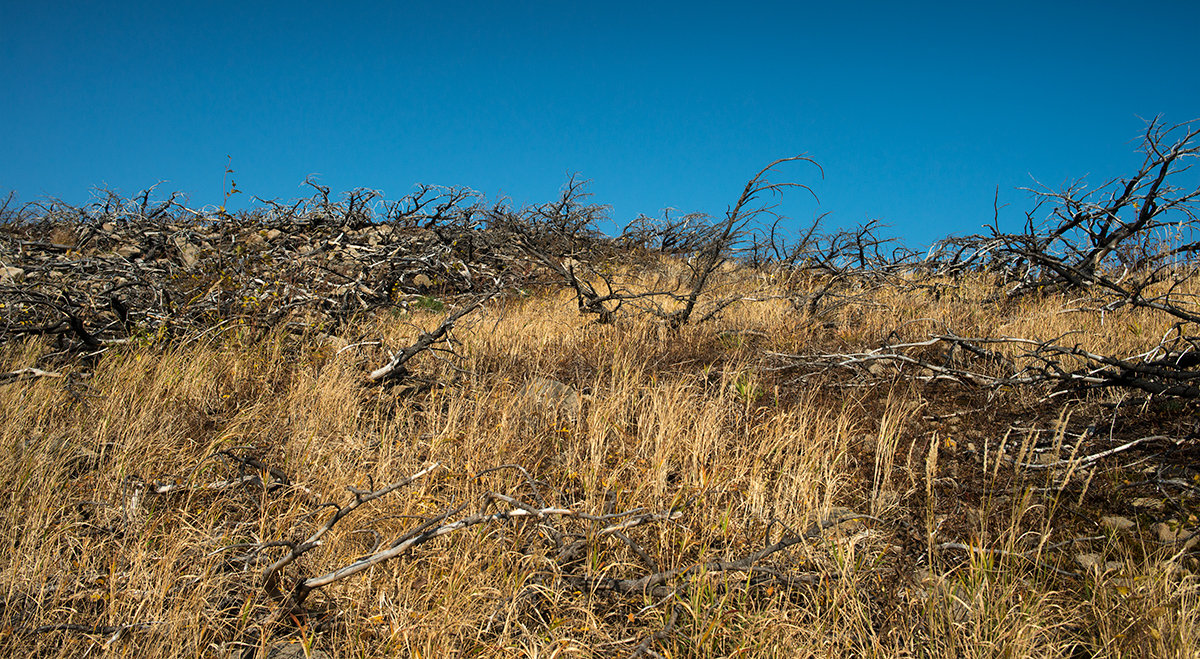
point(1125, 239)
point(563, 237)
point(729, 238)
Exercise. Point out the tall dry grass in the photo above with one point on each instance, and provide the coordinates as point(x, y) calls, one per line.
point(694, 422)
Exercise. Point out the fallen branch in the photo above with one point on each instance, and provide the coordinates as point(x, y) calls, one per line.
point(271, 573)
point(396, 367)
point(29, 373)
point(1087, 460)
point(655, 584)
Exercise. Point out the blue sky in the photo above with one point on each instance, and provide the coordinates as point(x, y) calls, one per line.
point(916, 111)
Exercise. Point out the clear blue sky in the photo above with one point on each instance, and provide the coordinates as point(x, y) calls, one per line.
point(916, 111)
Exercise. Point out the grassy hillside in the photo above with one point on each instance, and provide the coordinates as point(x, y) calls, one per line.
point(724, 489)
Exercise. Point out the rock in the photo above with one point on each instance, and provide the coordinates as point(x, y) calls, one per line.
point(1117, 523)
point(1147, 502)
point(422, 281)
point(1165, 532)
point(13, 275)
point(1047, 458)
point(108, 227)
point(190, 256)
point(295, 651)
point(129, 251)
point(555, 396)
point(273, 234)
point(880, 368)
point(335, 342)
point(1097, 562)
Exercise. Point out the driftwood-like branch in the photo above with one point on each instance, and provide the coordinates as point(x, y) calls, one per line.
point(655, 585)
point(1169, 369)
point(396, 367)
point(29, 373)
point(271, 575)
point(1090, 459)
point(615, 525)
point(431, 529)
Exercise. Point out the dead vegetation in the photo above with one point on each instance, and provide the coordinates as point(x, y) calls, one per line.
point(445, 427)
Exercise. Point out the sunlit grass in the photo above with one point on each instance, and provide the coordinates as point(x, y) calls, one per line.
point(699, 421)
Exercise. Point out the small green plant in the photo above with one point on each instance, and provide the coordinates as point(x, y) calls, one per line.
point(731, 340)
point(429, 303)
point(747, 389)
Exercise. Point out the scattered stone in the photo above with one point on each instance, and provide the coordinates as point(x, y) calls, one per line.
point(1117, 523)
point(1148, 502)
point(1166, 531)
point(878, 368)
point(295, 651)
point(1097, 562)
point(129, 251)
point(1047, 458)
point(190, 255)
point(555, 396)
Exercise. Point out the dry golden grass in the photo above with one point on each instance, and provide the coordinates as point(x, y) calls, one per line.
point(695, 421)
